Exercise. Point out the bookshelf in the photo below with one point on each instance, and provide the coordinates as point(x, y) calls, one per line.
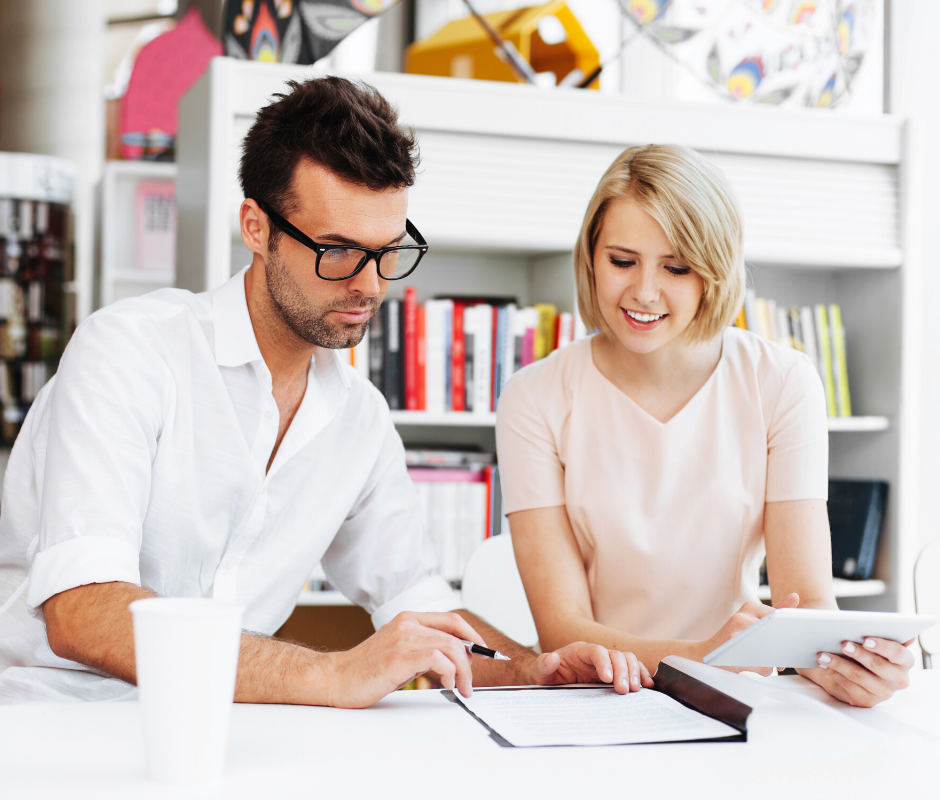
point(507, 171)
point(119, 275)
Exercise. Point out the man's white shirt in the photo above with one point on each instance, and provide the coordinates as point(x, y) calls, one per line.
point(144, 461)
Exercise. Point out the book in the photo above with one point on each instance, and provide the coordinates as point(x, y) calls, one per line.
point(808, 329)
point(796, 329)
point(422, 360)
point(377, 349)
point(565, 328)
point(856, 516)
point(458, 360)
point(410, 359)
point(393, 378)
point(839, 364)
point(825, 358)
point(156, 226)
point(545, 332)
point(750, 311)
point(690, 702)
point(435, 380)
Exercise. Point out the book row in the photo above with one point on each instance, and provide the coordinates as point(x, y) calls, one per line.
point(816, 330)
point(455, 354)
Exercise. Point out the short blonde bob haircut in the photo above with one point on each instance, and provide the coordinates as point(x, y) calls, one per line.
point(696, 207)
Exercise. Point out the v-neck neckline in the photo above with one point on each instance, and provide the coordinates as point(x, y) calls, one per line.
point(691, 401)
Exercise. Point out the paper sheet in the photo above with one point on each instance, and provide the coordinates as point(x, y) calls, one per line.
point(543, 717)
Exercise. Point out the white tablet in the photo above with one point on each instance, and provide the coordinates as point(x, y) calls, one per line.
point(792, 637)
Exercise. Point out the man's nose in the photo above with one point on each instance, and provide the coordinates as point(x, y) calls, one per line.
point(367, 281)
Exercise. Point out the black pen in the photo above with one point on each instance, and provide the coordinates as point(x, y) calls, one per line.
point(473, 647)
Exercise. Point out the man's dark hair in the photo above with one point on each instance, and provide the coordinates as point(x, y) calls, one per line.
point(348, 128)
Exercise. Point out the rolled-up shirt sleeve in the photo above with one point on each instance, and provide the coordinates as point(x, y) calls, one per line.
point(104, 423)
point(382, 558)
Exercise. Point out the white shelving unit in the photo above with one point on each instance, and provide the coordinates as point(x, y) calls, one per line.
point(507, 171)
point(117, 277)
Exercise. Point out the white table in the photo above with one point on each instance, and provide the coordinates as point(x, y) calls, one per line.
point(416, 744)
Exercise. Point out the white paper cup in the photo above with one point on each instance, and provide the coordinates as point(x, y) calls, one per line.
point(187, 656)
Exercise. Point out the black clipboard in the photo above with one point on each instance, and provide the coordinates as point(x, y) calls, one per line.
point(689, 691)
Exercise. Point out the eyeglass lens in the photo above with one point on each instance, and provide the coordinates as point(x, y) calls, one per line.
point(340, 262)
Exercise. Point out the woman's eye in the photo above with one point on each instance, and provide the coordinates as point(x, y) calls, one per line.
point(679, 270)
point(618, 262)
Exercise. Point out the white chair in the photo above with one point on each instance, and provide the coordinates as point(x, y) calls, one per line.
point(492, 589)
point(927, 598)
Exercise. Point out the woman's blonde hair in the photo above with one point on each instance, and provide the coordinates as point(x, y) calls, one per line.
point(693, 202)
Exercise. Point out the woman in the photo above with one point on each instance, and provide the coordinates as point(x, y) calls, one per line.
point(646, 468)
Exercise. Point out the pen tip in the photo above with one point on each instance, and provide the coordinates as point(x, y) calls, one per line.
point(501, 657)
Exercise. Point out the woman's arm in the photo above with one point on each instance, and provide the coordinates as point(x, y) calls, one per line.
point(799, 552)
point(556, 586)
point(799, 559)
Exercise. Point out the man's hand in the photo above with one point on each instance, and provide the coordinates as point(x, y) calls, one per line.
point(590, 663)
point(869, 671)
point(408, 646)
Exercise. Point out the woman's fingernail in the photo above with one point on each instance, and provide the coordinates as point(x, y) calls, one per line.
point(848, 647)
point(824, 659)
point(608, 674)
point(623, 681)
point(871, 644)
point(636, 680)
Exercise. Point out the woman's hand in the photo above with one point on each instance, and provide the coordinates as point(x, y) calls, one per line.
point(590, 663)
point(866, 673)
point(745, 616)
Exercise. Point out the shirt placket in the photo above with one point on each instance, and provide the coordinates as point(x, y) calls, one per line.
point(225, 584)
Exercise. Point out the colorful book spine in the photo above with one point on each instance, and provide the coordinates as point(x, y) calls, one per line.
point(458, 355)
point(422, 360)
point(393, 362)
point(825, 358)
point(840, 365)
point(410, 308)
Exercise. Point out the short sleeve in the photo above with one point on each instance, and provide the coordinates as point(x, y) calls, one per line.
point(530, 469)
point(798, 438)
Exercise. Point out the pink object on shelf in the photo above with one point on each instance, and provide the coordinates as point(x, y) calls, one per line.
point(164, 71)
point(419, 475)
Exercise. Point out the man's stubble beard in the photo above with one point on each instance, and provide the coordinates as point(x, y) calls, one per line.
point(307, 321)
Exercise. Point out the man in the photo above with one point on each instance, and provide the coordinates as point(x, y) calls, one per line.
point(214, 445)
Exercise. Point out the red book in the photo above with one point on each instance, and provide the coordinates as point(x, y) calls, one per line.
point(488, 479)
point(458, 362)
point(495, 349)
point(410, 312)
point(422, 362)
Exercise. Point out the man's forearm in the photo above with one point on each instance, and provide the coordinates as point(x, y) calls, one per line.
point(93, 625)
point(487, 672)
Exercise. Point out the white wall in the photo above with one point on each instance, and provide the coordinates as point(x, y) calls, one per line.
point(914, 93)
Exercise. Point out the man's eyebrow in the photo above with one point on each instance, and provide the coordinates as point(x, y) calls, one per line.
point(338, 238)
point(632, 252)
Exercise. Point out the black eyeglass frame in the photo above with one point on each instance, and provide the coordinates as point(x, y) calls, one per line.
point(299, 236)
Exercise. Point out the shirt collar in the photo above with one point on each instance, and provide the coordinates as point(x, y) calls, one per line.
point(235, 342)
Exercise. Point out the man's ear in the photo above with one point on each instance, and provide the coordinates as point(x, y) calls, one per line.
point(254, 226)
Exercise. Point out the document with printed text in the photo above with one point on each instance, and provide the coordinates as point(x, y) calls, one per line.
point(589, 716)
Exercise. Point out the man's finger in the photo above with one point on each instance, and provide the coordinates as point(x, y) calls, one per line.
point(450, 622)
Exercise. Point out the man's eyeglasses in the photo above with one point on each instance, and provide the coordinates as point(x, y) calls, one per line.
point(340, 262)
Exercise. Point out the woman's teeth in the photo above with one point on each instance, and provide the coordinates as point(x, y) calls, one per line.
point(644, 317)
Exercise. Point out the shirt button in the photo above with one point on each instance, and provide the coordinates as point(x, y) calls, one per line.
point(268, 414)
point(230, 565)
